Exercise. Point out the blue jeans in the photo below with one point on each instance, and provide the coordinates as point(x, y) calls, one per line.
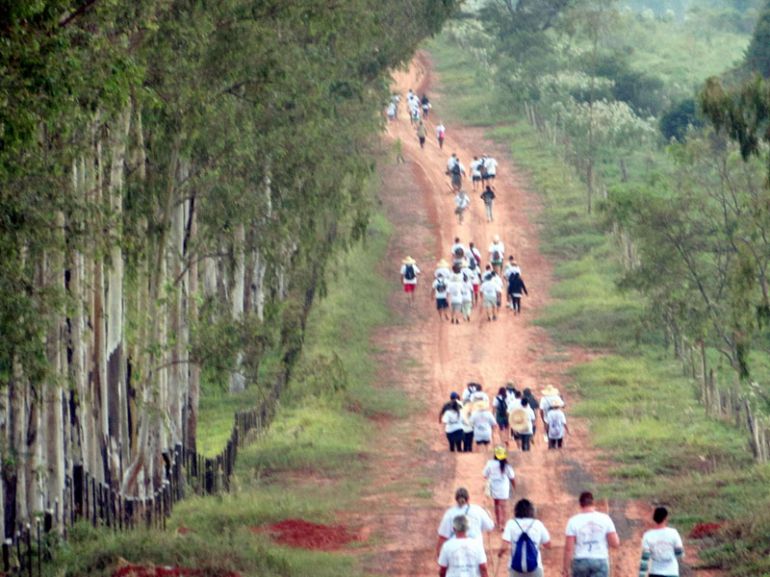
point(590, 568)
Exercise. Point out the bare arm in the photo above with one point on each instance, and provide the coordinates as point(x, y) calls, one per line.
point(441, 541)
point(613, 540)
point(569, 551)
point(483, 570)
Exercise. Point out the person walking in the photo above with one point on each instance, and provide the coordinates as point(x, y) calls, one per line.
point(453, 397)
point(426, 105)
point(550, 395)
point(497, 253)
point(500, 404)
point(489, 170)
point(422, 132)
point(467, 295)
point(479, 521)
point(524, 522)
point(462, 556)
point(409, 273)
point(516, 288)
point(483, 424)
point(475, 173)
point(501, 479)
point(440, 290)
point(556, 425)
point(528, 430)
point(589, 537)
point(662, 548)
point(456, 171)
point(489, 297)
point(488, 196)
point(462, 202)
point(452, 420)
point(440, 134)
point(497, 279)
point(455, 294)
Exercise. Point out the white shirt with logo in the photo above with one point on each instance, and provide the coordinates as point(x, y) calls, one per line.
point(479, 521)
point(590, 531)
point(660, 544)
point(462, 557)
point(533, 527)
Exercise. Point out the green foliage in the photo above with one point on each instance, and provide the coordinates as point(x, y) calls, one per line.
point(758, 52)
point(679, 119)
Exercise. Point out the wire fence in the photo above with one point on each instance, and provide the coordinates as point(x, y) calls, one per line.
point(185, 472)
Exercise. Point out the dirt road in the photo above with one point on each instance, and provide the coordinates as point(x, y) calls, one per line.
point(430, 358)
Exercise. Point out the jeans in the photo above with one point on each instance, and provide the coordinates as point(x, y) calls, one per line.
point(590, 568)
point(525, 439)
point(455, 439)
point(488, 206)
point(554, 443)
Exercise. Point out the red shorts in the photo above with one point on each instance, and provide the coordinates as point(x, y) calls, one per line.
point(409, 288)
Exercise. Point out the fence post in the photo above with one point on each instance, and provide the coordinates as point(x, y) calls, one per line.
point(7, 556)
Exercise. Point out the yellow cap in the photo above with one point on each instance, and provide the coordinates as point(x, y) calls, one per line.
point(500, 453)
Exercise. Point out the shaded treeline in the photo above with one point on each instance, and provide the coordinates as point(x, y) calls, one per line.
point(174, 176)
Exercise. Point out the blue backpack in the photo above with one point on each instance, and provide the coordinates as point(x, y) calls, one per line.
point(525, 554)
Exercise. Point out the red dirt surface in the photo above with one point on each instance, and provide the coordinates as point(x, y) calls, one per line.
point(150, 571)
point(306, 535)
point(702, 530)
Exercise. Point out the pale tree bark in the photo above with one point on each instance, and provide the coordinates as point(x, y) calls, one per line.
point(191, 405)
point(237, 378)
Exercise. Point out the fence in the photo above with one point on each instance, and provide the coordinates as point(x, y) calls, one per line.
point(726, 402)
point(102, 506)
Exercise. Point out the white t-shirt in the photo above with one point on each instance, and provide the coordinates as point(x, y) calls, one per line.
point(452, 161)
point(491, 165)
point(498, 283)
point(452, 421)
point(489, 290)
point(533, 527)
point(482, 422)
point(460, 245)
point(497, 247)
point(462, 557)
point(439, 293)
point(478, 521)
point(590, 531)
point(440, 130)
point(660, 544)
point(455, 292)
point(556, 421)
point(462, 201)
point(510, 269)
point(444, 271)
point(416, 272)
point(499, 481)
point(545, 403)
point(475, 168)
point(467, 292)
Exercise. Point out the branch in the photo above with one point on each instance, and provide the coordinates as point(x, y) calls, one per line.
point(66, 20)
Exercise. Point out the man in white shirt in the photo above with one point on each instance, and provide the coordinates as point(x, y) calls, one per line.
point(662, 548)
point(479, 520)
point(461, 203)
point(459, 252)
point(440, 290)
point(497, 254)
point(490, 168)
point(455, 295)
point(440, 134)
point(489, 297)
point(455, 170)
point(475, 173)
point(409, 274)
point(462, 557)
point(589, 536)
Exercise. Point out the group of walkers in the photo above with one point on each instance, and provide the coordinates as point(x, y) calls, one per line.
point(513, 415)
point(588, 537)
point(483, 173)
point(459, 286)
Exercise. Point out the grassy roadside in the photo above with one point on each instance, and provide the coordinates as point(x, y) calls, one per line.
point(309, 465)
point(642, 413)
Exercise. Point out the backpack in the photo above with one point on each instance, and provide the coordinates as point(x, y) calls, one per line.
point(483, 168)
point(456, 169)
point(409, 272)
point(524, 558)
point(496, 256)
point(501, 412)
point(441, 286)
point(459, 252)
point(472, 262)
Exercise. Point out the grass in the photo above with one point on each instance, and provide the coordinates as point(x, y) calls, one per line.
point(309, 464)
point(641, 412)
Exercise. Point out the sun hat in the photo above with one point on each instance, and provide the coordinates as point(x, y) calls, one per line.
point(442, 264)
point(556, 403)
point(518, 420)
point(500, 453)
point(496, 238)
point(480, 405)
point(550, 391)
point(408, 260)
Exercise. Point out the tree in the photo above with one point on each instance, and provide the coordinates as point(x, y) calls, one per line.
point(758, 53)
